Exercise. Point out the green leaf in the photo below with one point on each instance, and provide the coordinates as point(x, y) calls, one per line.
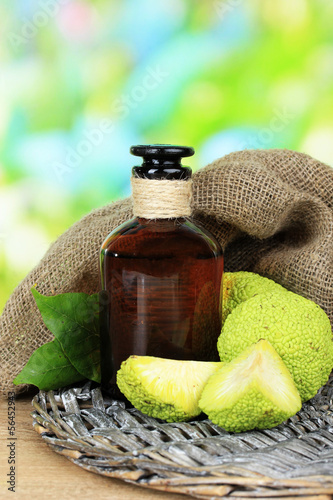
point(48, 368)
point(74, 321)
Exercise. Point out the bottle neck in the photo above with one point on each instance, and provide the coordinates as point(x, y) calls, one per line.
point(160, 168)
point(161, 199)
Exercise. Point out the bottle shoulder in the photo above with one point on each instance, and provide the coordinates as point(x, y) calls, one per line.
point(129, 226)
point(206, 236)
point(170, 237)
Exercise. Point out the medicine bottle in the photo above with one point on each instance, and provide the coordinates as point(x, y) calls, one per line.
point(161, 273)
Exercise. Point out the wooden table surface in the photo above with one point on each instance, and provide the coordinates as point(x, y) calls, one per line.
point(43, 474)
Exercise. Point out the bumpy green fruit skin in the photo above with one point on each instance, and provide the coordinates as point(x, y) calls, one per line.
point(241, 286)
point(254, 391)
point(299, 330)
point(253, 411)
point(164, 388)
point(150, 405)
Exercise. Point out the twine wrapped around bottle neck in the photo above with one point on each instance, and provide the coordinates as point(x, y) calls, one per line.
point(161, 199)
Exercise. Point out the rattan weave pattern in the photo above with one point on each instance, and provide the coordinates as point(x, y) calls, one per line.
point(196, 458)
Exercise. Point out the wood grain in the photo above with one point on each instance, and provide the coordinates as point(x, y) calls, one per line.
point(42, 473)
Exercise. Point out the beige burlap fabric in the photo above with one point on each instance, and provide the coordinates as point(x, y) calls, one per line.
point(271, 209)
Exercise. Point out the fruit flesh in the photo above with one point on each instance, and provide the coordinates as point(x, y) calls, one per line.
point(165, 388)
point(255, 390)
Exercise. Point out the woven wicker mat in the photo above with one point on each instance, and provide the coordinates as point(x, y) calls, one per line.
point(196, 458)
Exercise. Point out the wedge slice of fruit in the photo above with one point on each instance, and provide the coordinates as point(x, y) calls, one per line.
point(254, 391)
point(165, 388)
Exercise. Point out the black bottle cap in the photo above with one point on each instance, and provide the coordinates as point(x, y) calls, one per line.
point(162, 161)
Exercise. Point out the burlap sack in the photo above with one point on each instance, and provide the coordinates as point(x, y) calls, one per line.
point(272, 210)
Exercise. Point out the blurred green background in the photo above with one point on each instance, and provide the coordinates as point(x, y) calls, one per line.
point(83, 80)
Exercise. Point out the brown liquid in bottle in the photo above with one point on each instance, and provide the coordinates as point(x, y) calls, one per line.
point(164, 280)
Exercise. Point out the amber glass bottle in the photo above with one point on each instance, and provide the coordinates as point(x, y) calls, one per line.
point(160, 273)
